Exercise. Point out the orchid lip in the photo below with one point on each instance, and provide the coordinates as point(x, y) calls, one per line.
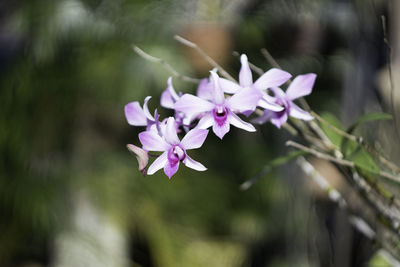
point(220, 114)
point(175, 154)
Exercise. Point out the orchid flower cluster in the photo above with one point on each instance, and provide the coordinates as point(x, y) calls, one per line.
point(217, 104)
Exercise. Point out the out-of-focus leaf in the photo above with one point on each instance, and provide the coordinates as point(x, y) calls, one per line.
point(274, 163)
point(363, 159)
point(286, 158)
point(373, 116)
point(335, 138)
point(350, 149)
point(382, 259)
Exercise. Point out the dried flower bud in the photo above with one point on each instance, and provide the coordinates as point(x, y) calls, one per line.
point(141, 156)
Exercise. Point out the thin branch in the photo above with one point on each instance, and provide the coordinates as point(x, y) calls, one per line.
point(247, 184)
point(332, 193)
point(360, 141)
point(372, 197)
point(342, 162)
point(333, 128)
point(206, 57)
point(321, 155)
point(167, 66)
point(270, 58)
point(389, 62)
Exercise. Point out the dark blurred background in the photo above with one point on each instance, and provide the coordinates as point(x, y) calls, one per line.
point(70, 192)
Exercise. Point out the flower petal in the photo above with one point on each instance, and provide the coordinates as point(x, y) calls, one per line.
point(171, 169)
point(245, 99)
point(134, 114)
point(191, 163)
point(247, 113)
point(245, 77)
point(239, 123)
point(141, 156)
point(228, 86)
point(218, 97)
point(278, 92)
point(171, 89)
point(301, 86)
point(146, 108)
point(151, 141)
point(170, 134)
point(166, 100)
point(272, 78)
point(297, 112)
point(205, 89)
point(194, 138)
point(206, 122)
point(269, 105)
point(221, 130)
point(159, 163)
point(279, 119)
point(266, 116)
point(192, 105)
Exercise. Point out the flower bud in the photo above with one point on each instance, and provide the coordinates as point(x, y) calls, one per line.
point(141, 156)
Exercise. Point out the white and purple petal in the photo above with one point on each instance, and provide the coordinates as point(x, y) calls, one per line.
point(191, 163)
point(298, 113)
point(279, 118)
point(205, 89)
point(206, 121)
point(192, 105)
point(267, 104)
point(134, 114)
point(245, 76)
point(218, 94)
point(166, 100)
point(278, 92)
point(301, 86)
point(194, 138)
point(171, 168)
point(228, 86)
point(170, 134)
point(158, 164)
point(221, 129)
point(266, 116)
point(239, 123)
point(272, 78)
point(171, 89)
point(169, 96)
point(151, 141)
point(244, 100)
point(146, 109)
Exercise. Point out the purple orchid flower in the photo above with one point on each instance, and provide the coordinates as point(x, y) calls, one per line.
point(301, 86)
point(220, 112)
point(137, 116)
point(272, 78)
point(174, 150)
point(168, 100)
point(169, 96)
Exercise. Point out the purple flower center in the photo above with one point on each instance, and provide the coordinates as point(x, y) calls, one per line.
point(220, 114)
point(175, 154)
point(283, 103)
